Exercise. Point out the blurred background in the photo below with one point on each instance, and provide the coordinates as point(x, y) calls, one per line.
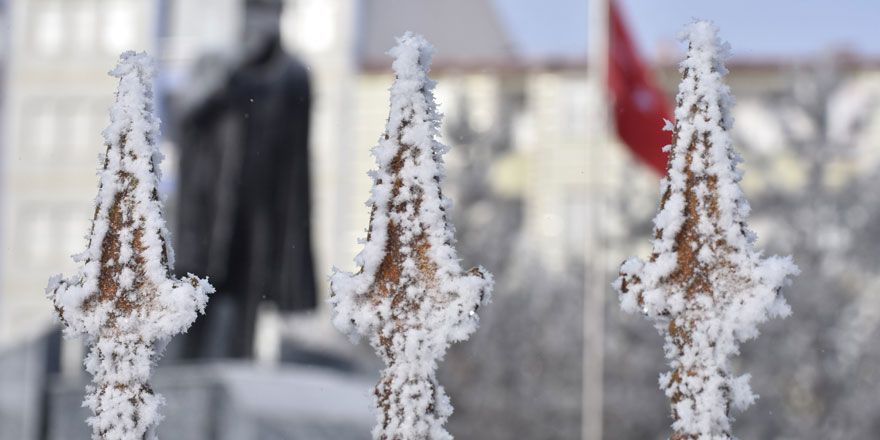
point(551, 189)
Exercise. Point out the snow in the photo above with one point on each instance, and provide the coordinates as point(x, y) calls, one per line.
point(705, 286)
point(124, 298)
point(410, 298)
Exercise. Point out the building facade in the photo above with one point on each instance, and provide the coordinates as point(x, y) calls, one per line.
point(58, 93)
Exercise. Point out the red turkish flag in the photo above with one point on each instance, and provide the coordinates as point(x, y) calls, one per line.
point(639, 105)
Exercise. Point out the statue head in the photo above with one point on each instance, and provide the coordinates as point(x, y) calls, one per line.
point(262, 26)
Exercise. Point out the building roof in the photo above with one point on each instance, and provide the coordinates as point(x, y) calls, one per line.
point(466, 33)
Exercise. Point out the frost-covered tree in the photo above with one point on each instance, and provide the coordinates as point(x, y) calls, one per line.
point(125, 298)
point(705, 286)
point(410, 297)
point(524, 366)
point(823, 120)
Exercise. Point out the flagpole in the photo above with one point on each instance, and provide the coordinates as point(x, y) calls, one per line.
point(595, 283)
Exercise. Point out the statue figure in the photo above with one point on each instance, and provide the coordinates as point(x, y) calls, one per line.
point(244, 216)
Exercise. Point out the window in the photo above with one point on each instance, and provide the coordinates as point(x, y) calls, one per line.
point(40, 123)
point(79, 127)
point(117, 27)
point(84, 21)
point(36, 225)
point(575, 107)
point(74, 228)
point(48, 27)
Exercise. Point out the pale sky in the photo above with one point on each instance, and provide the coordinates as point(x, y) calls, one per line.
point(754, 28)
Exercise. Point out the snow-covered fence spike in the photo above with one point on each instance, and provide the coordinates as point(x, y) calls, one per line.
point(705, 286)
point(410, 298)
point(125, 297)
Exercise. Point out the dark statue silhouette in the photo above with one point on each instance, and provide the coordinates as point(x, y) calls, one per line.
point(244, 185)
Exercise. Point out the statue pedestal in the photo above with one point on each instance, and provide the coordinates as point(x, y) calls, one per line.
point(235, 401)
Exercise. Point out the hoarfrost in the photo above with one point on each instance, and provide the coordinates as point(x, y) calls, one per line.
point(705, 286)
point(410, 298)
point(125, 298)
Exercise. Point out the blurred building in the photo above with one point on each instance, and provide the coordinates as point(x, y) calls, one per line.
point(4, 49)
point(56, 101)
point(58, 94)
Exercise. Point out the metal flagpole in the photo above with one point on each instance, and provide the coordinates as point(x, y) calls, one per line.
point(595, 282)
